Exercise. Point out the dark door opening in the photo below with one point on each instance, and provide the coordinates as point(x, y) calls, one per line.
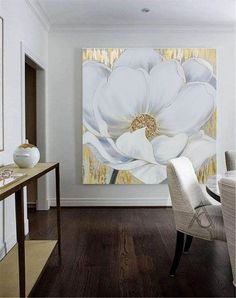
point(31, 123)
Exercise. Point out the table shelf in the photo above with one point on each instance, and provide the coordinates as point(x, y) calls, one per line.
point(37, 253)
point(20, 287)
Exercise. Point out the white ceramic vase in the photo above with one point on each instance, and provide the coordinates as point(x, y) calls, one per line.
point(26, 155)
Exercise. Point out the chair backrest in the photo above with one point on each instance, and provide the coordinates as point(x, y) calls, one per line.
point(185, 191)
point(228, 201)
point(230, 159)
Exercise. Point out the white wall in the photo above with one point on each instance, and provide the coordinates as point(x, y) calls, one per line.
point(20, 25)
point(64, 104)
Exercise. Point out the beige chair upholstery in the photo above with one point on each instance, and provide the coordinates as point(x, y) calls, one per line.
point(230, 159)
point(194, 214)
point(228, 199)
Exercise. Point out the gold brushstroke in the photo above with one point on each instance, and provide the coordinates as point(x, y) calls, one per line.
point(208, 169)
point(95, 172)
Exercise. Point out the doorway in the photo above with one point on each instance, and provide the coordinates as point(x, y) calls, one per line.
point(31, 121)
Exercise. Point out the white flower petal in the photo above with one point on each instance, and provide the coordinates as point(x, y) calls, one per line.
point(199, 148)
point(166, 148)
point(150, 174)
point(93, 74)
point(166, 80)
point(108, 154)
point(128, 165)
point(119, 100)
point(197, 70)
point(139, 58)
point(136, 145)
point(103, 149)
point(213, 81)
point(192, 108)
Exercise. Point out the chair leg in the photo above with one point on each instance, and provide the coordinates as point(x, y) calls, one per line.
point(188, 243)
point(178, 252)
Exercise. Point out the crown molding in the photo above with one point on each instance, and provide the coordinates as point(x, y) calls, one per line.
point(97, 28)
point(39, 13)
point(60, 28)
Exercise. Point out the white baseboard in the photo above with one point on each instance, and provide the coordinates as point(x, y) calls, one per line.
point(40, 204)
point(7, 246)
point(113, 202)
point(9, 242)
point(43, 204)
point(26, 226)
point(2, 251)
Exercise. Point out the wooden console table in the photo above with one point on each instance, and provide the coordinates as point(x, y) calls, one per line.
point(17, 188)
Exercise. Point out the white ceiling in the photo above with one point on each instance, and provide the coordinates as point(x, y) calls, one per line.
point(128, 12)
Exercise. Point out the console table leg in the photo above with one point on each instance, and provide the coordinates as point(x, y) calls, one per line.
point(20, 232)
point(58, 208)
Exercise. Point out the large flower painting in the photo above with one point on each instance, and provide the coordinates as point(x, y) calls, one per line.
point(143, 107)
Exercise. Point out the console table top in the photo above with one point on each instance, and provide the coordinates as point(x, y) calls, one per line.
point(31, 174)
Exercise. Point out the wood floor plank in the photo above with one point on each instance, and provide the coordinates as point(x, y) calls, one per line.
point(126, 252)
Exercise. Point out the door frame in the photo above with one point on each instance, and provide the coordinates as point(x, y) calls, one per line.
point(27, 56)
point(39, 66)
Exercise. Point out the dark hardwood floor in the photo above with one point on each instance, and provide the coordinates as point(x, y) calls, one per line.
point(126, 252)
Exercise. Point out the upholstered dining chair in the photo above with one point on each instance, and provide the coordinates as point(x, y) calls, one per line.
point(194, 214)
point(230, 160)
point(228, 199)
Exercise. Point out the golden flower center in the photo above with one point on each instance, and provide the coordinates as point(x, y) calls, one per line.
point(148, 121)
